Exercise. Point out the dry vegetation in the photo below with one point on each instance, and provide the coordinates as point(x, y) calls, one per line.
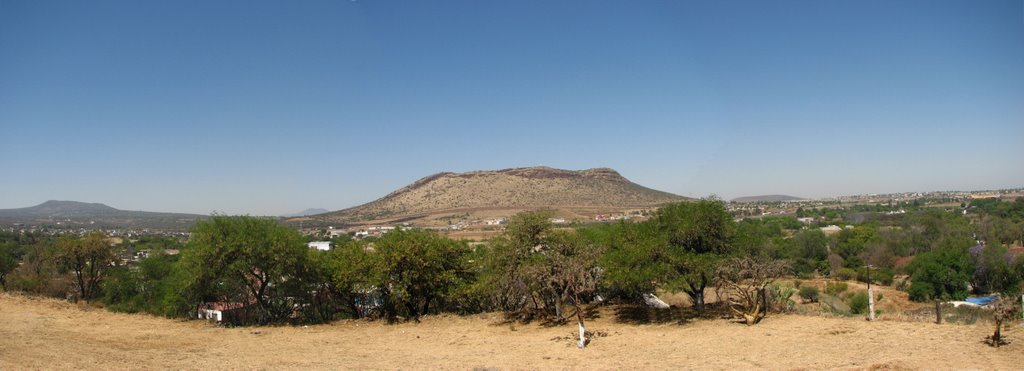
point(50, 334)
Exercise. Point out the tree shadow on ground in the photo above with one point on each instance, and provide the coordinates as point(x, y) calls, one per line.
point(643, 315)
point(590, 312)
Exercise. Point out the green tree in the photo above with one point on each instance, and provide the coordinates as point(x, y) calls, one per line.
point(89, 258)
point(636, 259)
point(570, 269)
point(7, 261)
point(811, 244)
point(994, 271)
point(348, 266)
point(699, 234)
point(808, 250)
point(417, 270)
point(121, 290)
point(754, 236)
point(510, 260)
point(36, 270)
point(940, 274)
point(251, 261)
point(851, 243)
point(142, 287)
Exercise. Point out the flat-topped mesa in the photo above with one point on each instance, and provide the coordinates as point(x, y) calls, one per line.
point(544, 172)
point(604, 173)
point(534, 172)
point(525, 187)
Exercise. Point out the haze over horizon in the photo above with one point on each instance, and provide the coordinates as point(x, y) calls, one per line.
point(269, 108)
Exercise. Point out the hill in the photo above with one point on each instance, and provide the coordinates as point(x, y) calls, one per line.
point(503, 192)
point(767, 198)
point(73, 214)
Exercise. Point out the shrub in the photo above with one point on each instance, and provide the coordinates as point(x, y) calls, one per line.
point(885, 276)
point(858, 302)
point(797, 283)
point(809, 294)
point(835, 288)
point(882, 276)
point(920, 291)
point(416, 270)
point(847, 274)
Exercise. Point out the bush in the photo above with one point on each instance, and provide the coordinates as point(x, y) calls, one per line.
point(809, 294)
point(858, 302)
point(921, 291)
point(835, 288)
point(797, 283)
point(882, 276)
point(416, 271)
point(846, 274)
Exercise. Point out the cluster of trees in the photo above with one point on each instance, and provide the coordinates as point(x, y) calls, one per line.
point(28, 263)
point(532, 270)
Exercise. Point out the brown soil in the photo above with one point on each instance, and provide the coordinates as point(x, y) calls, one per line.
point(49, 334)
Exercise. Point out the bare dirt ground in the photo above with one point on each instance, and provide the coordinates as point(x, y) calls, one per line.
point(48, 334)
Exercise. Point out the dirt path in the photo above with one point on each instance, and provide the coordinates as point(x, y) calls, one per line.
point(49, 334)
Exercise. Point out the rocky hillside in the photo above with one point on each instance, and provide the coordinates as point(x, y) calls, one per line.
point(518, 188)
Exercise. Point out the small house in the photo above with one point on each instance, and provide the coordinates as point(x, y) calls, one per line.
point(221, 312)
point(321, 245)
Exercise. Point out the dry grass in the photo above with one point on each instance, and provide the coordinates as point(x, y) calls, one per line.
point(48, 334)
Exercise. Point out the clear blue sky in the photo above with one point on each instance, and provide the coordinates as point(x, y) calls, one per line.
point(268, 107)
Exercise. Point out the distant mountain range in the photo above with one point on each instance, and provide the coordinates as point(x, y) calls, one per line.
point(73, 213)
point(306, 212)
point(498, 193)
point(767, 198)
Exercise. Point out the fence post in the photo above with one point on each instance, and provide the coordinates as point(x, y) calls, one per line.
point(871, 304)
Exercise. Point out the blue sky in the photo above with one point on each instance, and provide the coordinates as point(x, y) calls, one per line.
point(269, 107)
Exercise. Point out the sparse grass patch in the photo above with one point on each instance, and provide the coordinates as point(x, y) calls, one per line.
point(964, 314)
point(835, 288)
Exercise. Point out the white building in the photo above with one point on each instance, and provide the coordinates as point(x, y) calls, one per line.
point(321, 245)
point(220, 311)
point(831, 229)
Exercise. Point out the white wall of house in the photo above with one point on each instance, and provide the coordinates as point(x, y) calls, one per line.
point(211, 314)
point(320, 245)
